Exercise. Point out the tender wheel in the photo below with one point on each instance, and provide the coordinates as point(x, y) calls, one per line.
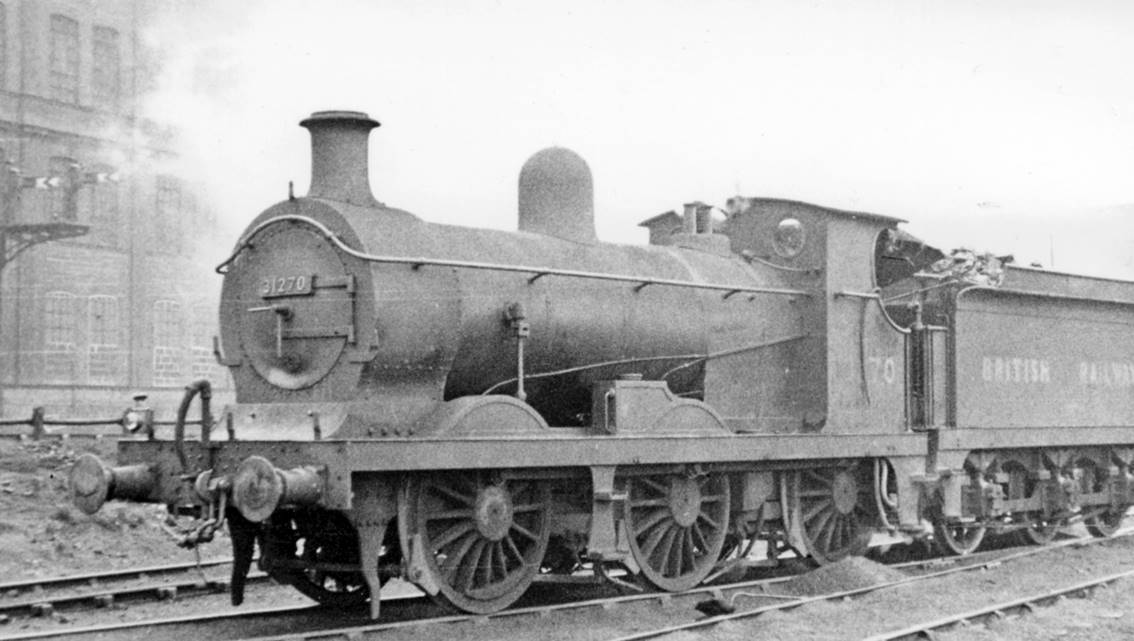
point(1039, 532)
point(484, 536)
point(304, 542)
point(831, 505)
point(1095, 478)
point(677, 525)
point(1105, 524)
point(956, 539)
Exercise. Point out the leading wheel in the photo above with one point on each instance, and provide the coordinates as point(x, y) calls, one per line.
point(831, 506)
point(677, 525)
point(484, 536)
point(313, 551)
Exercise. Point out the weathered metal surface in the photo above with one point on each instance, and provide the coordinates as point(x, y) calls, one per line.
point(1033, 436)
point(1023, 360)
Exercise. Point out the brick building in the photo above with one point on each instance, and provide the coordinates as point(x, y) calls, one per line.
point(131, 304)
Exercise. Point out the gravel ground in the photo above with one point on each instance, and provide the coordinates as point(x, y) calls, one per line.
point(42, 534)
point(1109, 614)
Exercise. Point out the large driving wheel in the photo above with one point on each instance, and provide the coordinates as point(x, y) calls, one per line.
point(677, 525)
point(484, 536)
point(832, 506)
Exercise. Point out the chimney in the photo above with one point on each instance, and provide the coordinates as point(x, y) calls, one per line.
point(557, 196)
point(339, 156)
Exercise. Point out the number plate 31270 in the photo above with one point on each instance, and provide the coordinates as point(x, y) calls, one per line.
point(285, 286)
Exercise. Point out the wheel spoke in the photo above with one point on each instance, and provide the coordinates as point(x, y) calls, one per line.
point(527, 507)
point(453, 562)
point(469, 567)
point(452, 534)
point(676, 549)
point(827, 534)
point(515, 550)
point(498, 554)
point(816, 508)
point(708, 519)
point(446, 515)
point(665, 559)
point(652, 541)
point(485, 562)
point(657, 516)
point(824, 518)
point(454, 494)
point(524, 531)
point(636, 503)
point(816, 476)
point(696, 532)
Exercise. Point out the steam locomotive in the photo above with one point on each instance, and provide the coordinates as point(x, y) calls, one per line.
point(472, 410)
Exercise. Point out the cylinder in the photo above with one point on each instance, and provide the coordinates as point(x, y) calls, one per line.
point(340, 156)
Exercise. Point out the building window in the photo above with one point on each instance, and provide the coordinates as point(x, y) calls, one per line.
point(63, 205)
point(60, 335)
point(106, 358)
point(204, 362)
point(64, 59)
point(168, 209)
point(168, 338)
point(105, 67)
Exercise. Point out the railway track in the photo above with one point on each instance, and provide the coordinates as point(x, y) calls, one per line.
point(46, 596)
point(1021, 606)
point(311, 622)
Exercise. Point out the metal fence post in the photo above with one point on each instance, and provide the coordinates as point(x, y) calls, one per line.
point(37, 423)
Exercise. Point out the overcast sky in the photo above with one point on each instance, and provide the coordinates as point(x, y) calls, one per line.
point(993, 125)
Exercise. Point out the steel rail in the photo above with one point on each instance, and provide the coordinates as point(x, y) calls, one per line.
point(46, 606)
point(192, 618)
point(974, 561)
point(92, 578)
point(158, 591)
point(536, 272)
point(921, 630)
point(790, 605)
point(665, 597)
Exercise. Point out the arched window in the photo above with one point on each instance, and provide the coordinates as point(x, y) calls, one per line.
point(64, 59)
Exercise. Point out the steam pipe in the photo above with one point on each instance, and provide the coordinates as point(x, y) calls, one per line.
point(205, 389)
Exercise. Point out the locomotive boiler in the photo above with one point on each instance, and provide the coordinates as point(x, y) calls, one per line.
point(469, 409)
